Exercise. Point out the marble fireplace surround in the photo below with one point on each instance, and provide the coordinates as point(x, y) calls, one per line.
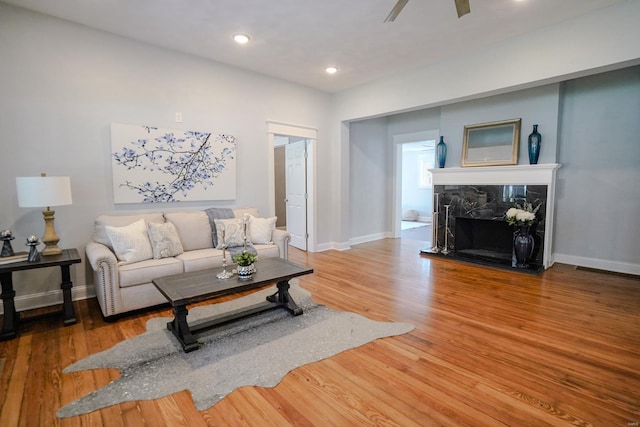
point(487, 192)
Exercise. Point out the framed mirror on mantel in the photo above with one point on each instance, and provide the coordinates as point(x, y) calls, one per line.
point(491, 144)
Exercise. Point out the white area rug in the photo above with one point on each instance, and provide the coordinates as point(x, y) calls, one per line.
point(256, 351)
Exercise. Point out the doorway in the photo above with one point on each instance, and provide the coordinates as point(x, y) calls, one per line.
point(413, 199)
point(292, 188)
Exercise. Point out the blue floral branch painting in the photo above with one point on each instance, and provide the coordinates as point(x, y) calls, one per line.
point(152, 165)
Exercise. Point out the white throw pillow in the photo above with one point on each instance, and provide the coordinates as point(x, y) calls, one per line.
point(130, 243)
point(233, 229)
point(260, 229)
point(165, 240)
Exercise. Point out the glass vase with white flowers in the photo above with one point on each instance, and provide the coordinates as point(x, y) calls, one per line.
point(524, 214)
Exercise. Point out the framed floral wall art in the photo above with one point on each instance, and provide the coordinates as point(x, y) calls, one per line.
point(152, 165)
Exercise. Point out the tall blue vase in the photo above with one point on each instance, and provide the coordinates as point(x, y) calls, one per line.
point(535, 139)
point(441, 152)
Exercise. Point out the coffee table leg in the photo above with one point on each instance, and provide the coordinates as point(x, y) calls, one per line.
point(180, 329)
point(283, 298)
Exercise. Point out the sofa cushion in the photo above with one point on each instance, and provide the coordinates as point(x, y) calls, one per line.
point(165, 240)
point(201, 259)
point(131, 242)
point(193, 228)
point(241, 212)
point(260, 229)
point(145, 271)
point(230, 232)
point(100, 235)
point(267, 251)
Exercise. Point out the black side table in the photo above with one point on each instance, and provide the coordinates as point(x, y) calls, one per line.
point(11, 317)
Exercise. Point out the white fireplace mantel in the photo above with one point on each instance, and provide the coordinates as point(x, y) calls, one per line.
point(509, 175)
point(497, 175)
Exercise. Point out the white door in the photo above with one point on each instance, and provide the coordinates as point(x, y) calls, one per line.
point(296, 192)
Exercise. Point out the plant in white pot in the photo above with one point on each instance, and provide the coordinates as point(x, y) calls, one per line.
point(246, 266)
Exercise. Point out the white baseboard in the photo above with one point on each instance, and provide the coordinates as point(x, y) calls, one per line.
point(425, 219)
point(344, 246)
point(369, 238)
point(46, 299)
point(599, 264)
point(332, 246)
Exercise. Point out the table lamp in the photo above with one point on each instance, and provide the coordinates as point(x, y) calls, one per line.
point(45, 191)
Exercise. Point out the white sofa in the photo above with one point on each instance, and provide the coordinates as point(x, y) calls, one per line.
point(123, 286)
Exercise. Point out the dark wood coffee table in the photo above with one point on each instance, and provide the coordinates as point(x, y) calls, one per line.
point(196, 286)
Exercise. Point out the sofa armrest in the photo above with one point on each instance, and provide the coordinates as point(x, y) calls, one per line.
point(105, 275)
point(281, 238)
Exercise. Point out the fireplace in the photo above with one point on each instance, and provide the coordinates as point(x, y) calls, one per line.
point(469, 209)
point(484, 240)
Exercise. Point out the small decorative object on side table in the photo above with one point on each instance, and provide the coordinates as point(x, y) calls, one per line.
point(33, 242)
point(6, 236)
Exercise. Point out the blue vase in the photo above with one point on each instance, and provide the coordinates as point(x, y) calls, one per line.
point(534, 145)
point(441, 152)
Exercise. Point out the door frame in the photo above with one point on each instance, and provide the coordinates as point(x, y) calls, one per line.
point(398, 140)
point(311, 134)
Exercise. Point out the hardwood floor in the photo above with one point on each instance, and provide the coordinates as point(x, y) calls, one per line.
point(490, 348)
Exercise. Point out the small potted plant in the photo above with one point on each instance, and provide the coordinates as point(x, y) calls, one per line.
point(245, 261)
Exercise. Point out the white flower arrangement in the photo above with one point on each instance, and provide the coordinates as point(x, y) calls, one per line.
point(522, 215)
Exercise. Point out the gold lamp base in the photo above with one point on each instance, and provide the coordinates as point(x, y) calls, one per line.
point(50, 237)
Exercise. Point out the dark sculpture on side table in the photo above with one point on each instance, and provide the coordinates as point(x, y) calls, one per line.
point(6, 236)
point(33, 242)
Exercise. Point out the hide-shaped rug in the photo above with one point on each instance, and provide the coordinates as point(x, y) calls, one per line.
point(255, 351)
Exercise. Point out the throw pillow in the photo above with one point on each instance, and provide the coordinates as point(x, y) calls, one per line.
point(260, 229)
point(233, 229)
point(165, 240)
point(130, 243)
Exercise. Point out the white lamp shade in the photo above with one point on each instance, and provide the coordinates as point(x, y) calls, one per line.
point(43, 191)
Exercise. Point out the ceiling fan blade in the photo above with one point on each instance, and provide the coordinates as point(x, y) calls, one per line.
point(396, 10)
point(462, 6)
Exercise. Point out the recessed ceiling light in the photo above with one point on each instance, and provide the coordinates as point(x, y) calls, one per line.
point(331, 70)
point(241, 38)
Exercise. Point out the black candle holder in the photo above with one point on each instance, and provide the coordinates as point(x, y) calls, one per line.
point(33, 242)
point(6, 236)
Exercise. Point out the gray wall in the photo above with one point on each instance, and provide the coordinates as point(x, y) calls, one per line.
point(598, 197)
point(534, 106)
point(369, 172)
point(591, 126)
point(61, 86)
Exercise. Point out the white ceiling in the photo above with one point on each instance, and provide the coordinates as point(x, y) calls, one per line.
point(295, 40)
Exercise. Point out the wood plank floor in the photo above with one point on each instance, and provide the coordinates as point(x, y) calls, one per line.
point(490, 348)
